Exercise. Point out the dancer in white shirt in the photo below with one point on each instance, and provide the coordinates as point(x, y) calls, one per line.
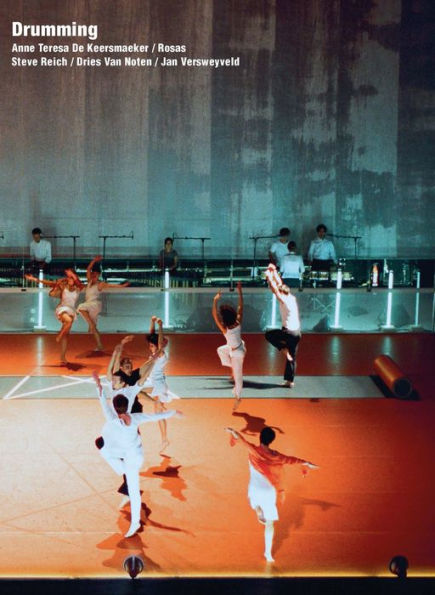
point(279, 249)
point(40, 251)
point(122, 445)
point(68, 289)
point(292, 267)
point(160, 393)
point(321, 252)
point(287, 338)
point(229, 322)
point(91, 307)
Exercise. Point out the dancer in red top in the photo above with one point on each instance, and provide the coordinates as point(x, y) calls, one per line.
point(266, 467)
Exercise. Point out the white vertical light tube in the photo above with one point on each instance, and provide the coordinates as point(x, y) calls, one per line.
point(339, 279)
point(336, 324)
point(388, 325)
point(166, 284)
point(40, 325)
point(416, 325)
point(390, 279)
point(166, 316)
point(41, 277)
point(339, 285)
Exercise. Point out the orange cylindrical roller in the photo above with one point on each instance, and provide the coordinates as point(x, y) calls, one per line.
point(392, 376)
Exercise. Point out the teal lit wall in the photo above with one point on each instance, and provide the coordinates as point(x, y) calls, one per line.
point(328, 118)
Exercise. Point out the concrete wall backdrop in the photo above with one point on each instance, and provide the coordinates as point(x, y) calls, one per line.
point(330, 117)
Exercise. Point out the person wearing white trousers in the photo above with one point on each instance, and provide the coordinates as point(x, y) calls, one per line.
point(122, 446)
point(229, 322)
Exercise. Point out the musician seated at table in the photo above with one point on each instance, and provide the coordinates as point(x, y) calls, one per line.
point(292, 266)
point(279, 248)
point(168, 258)
point(40, 252)
point(321, 253)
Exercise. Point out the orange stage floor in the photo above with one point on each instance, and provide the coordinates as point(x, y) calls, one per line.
point(372, 497)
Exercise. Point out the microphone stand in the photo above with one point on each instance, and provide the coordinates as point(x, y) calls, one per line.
point(256, 238)
point(105, 237)
point(354, 238)
point(74, 238)
point(203, 240)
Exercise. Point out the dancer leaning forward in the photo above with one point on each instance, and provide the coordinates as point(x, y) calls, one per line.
point(122, 445)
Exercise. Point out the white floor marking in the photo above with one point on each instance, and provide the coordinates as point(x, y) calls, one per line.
point(16, 387)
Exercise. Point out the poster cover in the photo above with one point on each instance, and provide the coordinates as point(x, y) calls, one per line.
point(136, 120)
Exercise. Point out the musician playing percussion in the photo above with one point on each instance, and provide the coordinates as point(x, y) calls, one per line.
point(168, 257)
point(292, 266)
point(321, 253)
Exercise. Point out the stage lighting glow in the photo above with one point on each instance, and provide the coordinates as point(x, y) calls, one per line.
point(390, 279)
point(339, 279)
point(40, 325)
point(336, 324)
point(399, 566)
point(166, 316)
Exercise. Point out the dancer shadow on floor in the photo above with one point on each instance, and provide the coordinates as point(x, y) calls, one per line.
point(254, 424)
point(148, 522)
point(292, 513)
point(122, 548)
point(93, 353)
point(75, 367)
point(260, 385)
point(170, 476)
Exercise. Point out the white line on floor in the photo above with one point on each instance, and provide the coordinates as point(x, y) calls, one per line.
point(16, 387)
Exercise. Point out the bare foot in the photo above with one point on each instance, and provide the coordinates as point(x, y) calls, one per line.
point(133, 529)
point(237, 402)
point(268, 557)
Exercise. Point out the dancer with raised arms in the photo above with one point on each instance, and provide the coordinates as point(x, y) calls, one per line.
point(91, 307)
point(229, 322)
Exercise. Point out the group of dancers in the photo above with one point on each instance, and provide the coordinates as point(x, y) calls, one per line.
point(120, 443)
point(68, 289)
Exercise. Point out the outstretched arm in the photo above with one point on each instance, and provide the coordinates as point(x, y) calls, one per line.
point(114, 362)
point(241, 439)
point(215, 314)
point(109, 413)
point(274, 281)
point(104, 285)
point(153, 325)
point(240, 306)
point(90, 266)
point(36, 280)
point(161, 342)
point(146, 367)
